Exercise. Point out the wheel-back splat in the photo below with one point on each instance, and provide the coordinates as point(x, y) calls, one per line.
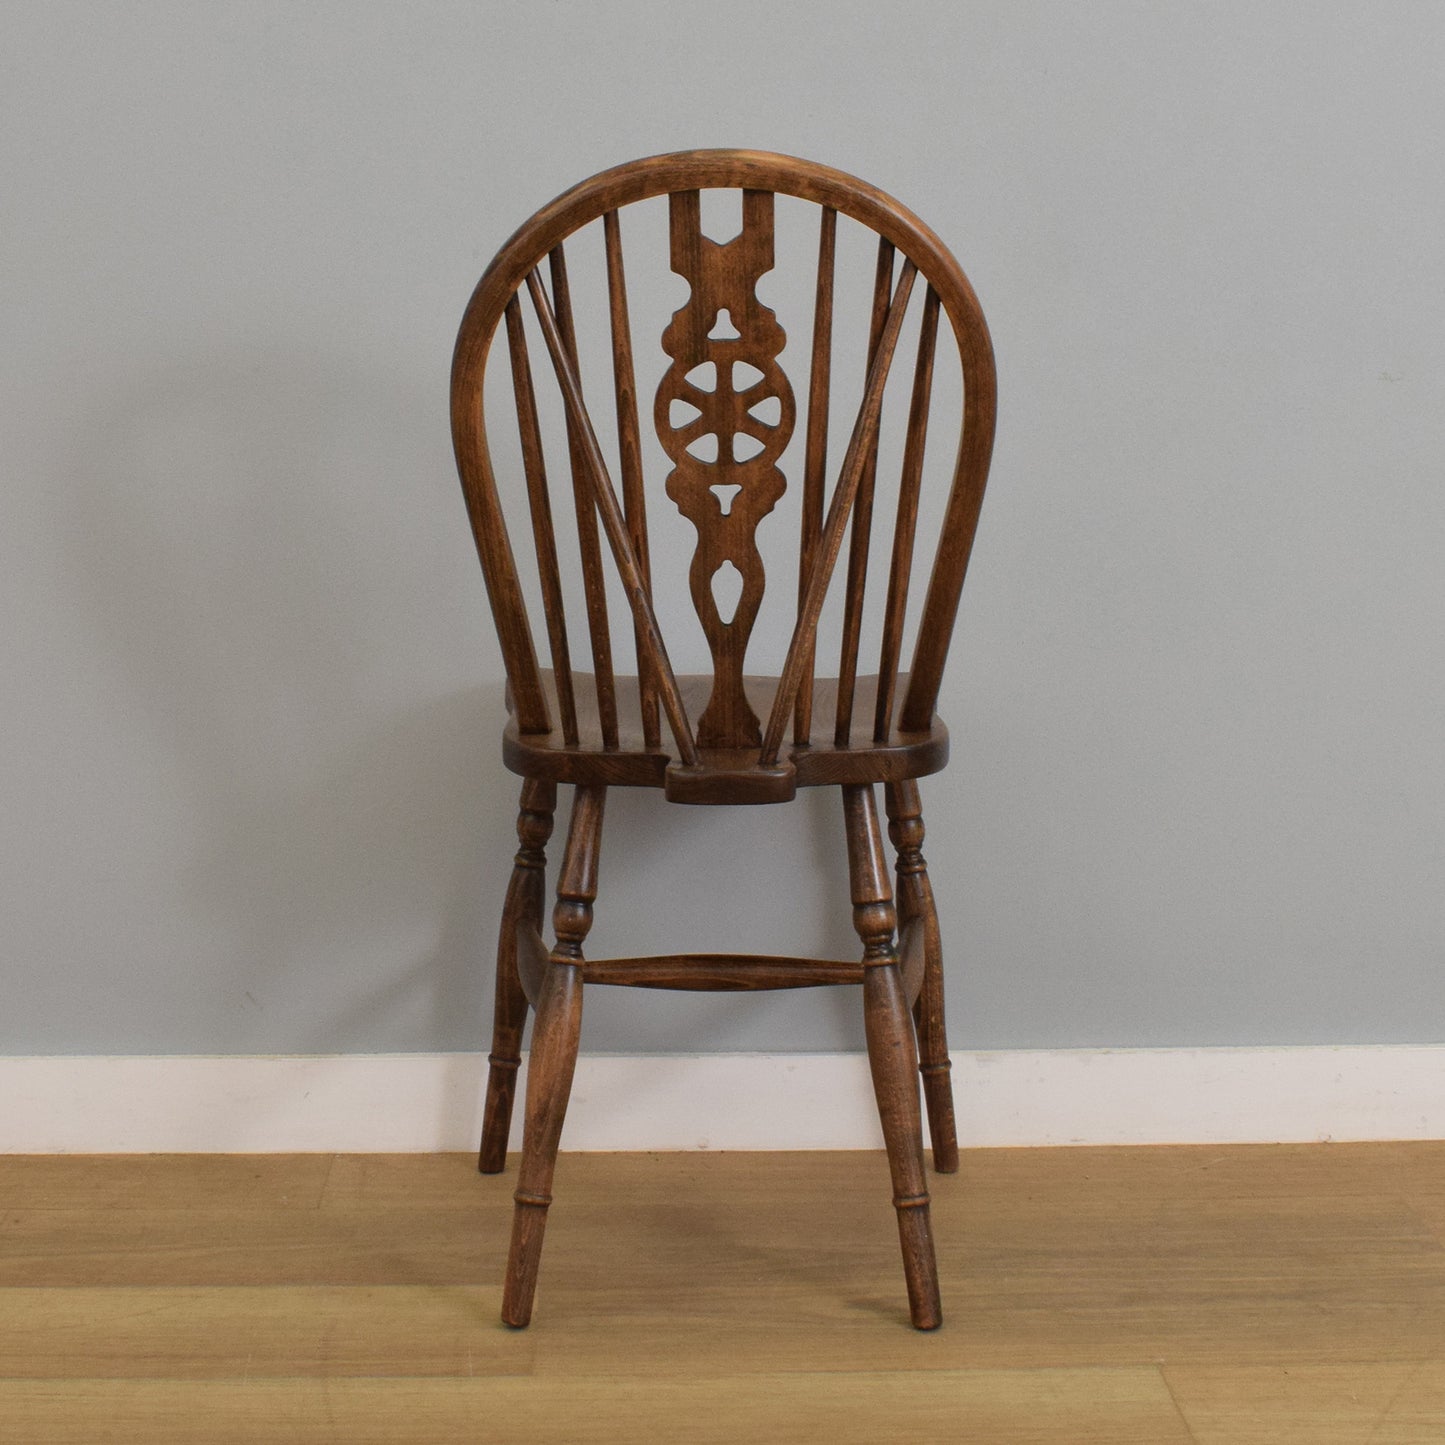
point(748, 413)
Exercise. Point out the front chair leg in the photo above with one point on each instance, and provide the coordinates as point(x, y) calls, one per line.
point(509, 1017)
point(916, 907)
point(891, 1052)
point(554, 1053)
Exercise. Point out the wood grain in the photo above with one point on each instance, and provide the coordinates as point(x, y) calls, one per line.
point(1354, 1404)
point(724, 413)
point(554, 1052)
point(817, 763)
point(862, 520)
point(539, 502)
point(629, 447)
point(815, 456)
point(1230, 1296)
point(1045, 1407)
point(199, 1332)
point(759, 175)
point(594, 585)
point(516, 986)
point(722, 280)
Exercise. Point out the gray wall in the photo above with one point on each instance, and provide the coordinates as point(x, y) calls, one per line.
point(251, 793)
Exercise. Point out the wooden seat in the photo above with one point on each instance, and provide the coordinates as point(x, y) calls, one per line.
point(724, 412)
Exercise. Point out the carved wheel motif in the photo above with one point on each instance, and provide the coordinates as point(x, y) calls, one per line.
point(724, 413)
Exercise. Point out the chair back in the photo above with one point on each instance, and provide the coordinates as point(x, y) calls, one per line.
point(724, 411)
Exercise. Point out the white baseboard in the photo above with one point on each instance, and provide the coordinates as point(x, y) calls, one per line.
point(424, 1102)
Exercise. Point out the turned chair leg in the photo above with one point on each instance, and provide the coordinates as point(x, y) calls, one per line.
point(554, 1053)
point(891, 1052)
point(916, 903)
point(523, 906)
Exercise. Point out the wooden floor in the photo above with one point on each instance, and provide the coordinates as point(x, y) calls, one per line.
point(1226, 1296)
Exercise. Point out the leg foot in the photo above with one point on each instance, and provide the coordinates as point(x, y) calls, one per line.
point(892, 1054)
point(554, 1053)
point(549, 1084)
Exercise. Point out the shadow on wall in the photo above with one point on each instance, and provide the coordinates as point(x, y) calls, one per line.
point(267, 548)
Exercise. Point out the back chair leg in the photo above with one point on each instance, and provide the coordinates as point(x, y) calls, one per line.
point(916, 903)
point(891, 1052)
point(509, 1017)
point(554, 1052)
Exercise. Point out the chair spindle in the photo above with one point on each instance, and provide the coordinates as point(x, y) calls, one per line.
point(815, 459)
point(865, 432)
point(603, 496)
point(862, 518)
point(901, 566)
point(543, 535)
point(593, 583)
point(629, 446)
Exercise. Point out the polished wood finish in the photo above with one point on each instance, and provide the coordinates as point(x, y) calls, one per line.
point(629, 442)
point(906, 523)
point(724, 497)
point(1248, 1295)
point(561, 336)
point(891, 1052)
point(523, 908)
point(725, 971)
point(817, 763)
point(544, 534)
point(746, 170)
point(815, 458)
point(862, 532)
point(855, 467)
point(590, 463)
point(918, 917)
point(724, 412)
point(554, 1052)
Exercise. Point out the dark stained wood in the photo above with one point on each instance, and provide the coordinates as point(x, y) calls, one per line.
point(554, 1053)
point(862, 533)
point(599, 730)
point(616, 525)
point(912, 957)
point(523, 907)
point(540, 504)
point(722, 971)
point(724, 496)
point(629, 446)
point(753, 170)
point(815, 458)
point(891, 1052)
point(593, 584)
point(533, 955)
point(724, 777)
point(918, 913)
point(504, 593)
point(906, 523)
point(864, 430)
point(817, 763)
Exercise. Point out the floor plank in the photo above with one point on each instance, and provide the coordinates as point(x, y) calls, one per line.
point(246, 1247)
point(1249, 1296)
point(1209, 1171)
point(1039, 1407)
point(146, 1181)
point(207, 1333)
point(1355, 1404)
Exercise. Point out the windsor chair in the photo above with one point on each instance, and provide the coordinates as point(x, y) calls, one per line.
point(732, 738)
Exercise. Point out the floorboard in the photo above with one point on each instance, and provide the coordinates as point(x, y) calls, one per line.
point(1222, 1296)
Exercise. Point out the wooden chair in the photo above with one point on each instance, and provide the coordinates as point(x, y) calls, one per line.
point(731, 738)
